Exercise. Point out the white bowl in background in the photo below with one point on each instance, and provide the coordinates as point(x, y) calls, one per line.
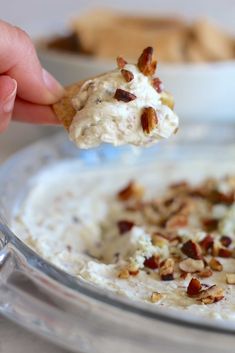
point(202, 91)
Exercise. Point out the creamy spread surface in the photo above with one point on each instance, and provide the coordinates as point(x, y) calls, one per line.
point(128, 231)
point(124, 106)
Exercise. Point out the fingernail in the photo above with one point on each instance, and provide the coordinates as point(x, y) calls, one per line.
point(9, 101)
point(54, 87)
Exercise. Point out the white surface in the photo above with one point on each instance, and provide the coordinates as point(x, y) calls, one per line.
point(37, 17)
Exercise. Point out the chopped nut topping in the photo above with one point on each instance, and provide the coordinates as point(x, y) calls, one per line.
point(145, 63)
point(194, 287)
point(149, 119)
point(158, 240)
point(152, 262)
point(124, 226)
point(207, 272)
point(177, 221)
point(223, 252)
point(192, 249)
point(124, 273)
point(134, 273)
point(121, 62)
point(225, 241)
point(210, 224)
point(128, 75)
point(157, 84)
point(155, 297)
point(124, 96)
point(207, 243)
point(230, 278)
point(211, 295)
point(132, 190)
point(215, 265)
point(191, 265)
point(166, 270)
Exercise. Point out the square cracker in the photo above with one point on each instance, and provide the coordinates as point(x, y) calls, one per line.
point(64, 109)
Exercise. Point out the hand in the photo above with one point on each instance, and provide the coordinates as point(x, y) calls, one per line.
point(26, 89)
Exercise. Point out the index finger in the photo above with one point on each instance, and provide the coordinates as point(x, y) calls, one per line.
point(18, 59)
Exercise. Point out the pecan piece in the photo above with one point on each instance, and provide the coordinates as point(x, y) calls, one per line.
point(124, 273)
point(145, 63)
point(124, 226)
point(124, 96)
point(194, 287)
point(223, 252)
point(157, 84)
point(132, 191)
point(121, 62)
point(190, 265)
point(155, 297)
point(225, 241)
point(207, 243)
point(211, 295)
point(230, 278)
point(152, 262)
point(149, 119)
point(128, 75)
point(215, 265)
point(192, 249)
point(177, 221)
point(207, 272)
point(210, 224)
point(166, 270)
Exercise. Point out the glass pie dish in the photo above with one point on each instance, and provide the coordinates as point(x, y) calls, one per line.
point(78, 315)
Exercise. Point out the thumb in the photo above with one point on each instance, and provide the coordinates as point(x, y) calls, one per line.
point(8, 89)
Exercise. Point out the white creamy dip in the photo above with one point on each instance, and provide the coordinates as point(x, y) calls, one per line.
point(102, 118)
point(69, 217)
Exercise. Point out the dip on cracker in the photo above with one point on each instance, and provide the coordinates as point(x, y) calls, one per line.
point(125, 106)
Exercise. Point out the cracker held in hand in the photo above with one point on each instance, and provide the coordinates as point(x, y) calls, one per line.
point(64, 109)
point(123, 106)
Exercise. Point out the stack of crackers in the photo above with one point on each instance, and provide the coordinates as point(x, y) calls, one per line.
point(104, 33)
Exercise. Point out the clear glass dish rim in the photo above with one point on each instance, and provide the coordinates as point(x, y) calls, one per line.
point(75, 284)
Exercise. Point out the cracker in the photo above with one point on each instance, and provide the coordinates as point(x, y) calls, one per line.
point(64, 109)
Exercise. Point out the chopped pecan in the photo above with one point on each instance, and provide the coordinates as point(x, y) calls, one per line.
point(207, 272)
point(148, 119)
point(192, 249)
point(230, 278)
point(121, 62)
point(158, 240)
point(157, 84)
point(211, 295)
point(166, 270)
point(145, 63)
point(134, 273)
point(210, 224)
point(128, 75)
point(124, 96)
point(215, 265)
point(124, 226)
point(155, 297)
point(207, 243)
point(124, 273)
point(194, 287)
point(152, 262)
point(225, 241)
point(132, 191)
point(190, 265)
point(177, 221)
point(223, 252)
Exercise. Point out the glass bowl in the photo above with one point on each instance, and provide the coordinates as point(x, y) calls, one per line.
point(78, 315)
